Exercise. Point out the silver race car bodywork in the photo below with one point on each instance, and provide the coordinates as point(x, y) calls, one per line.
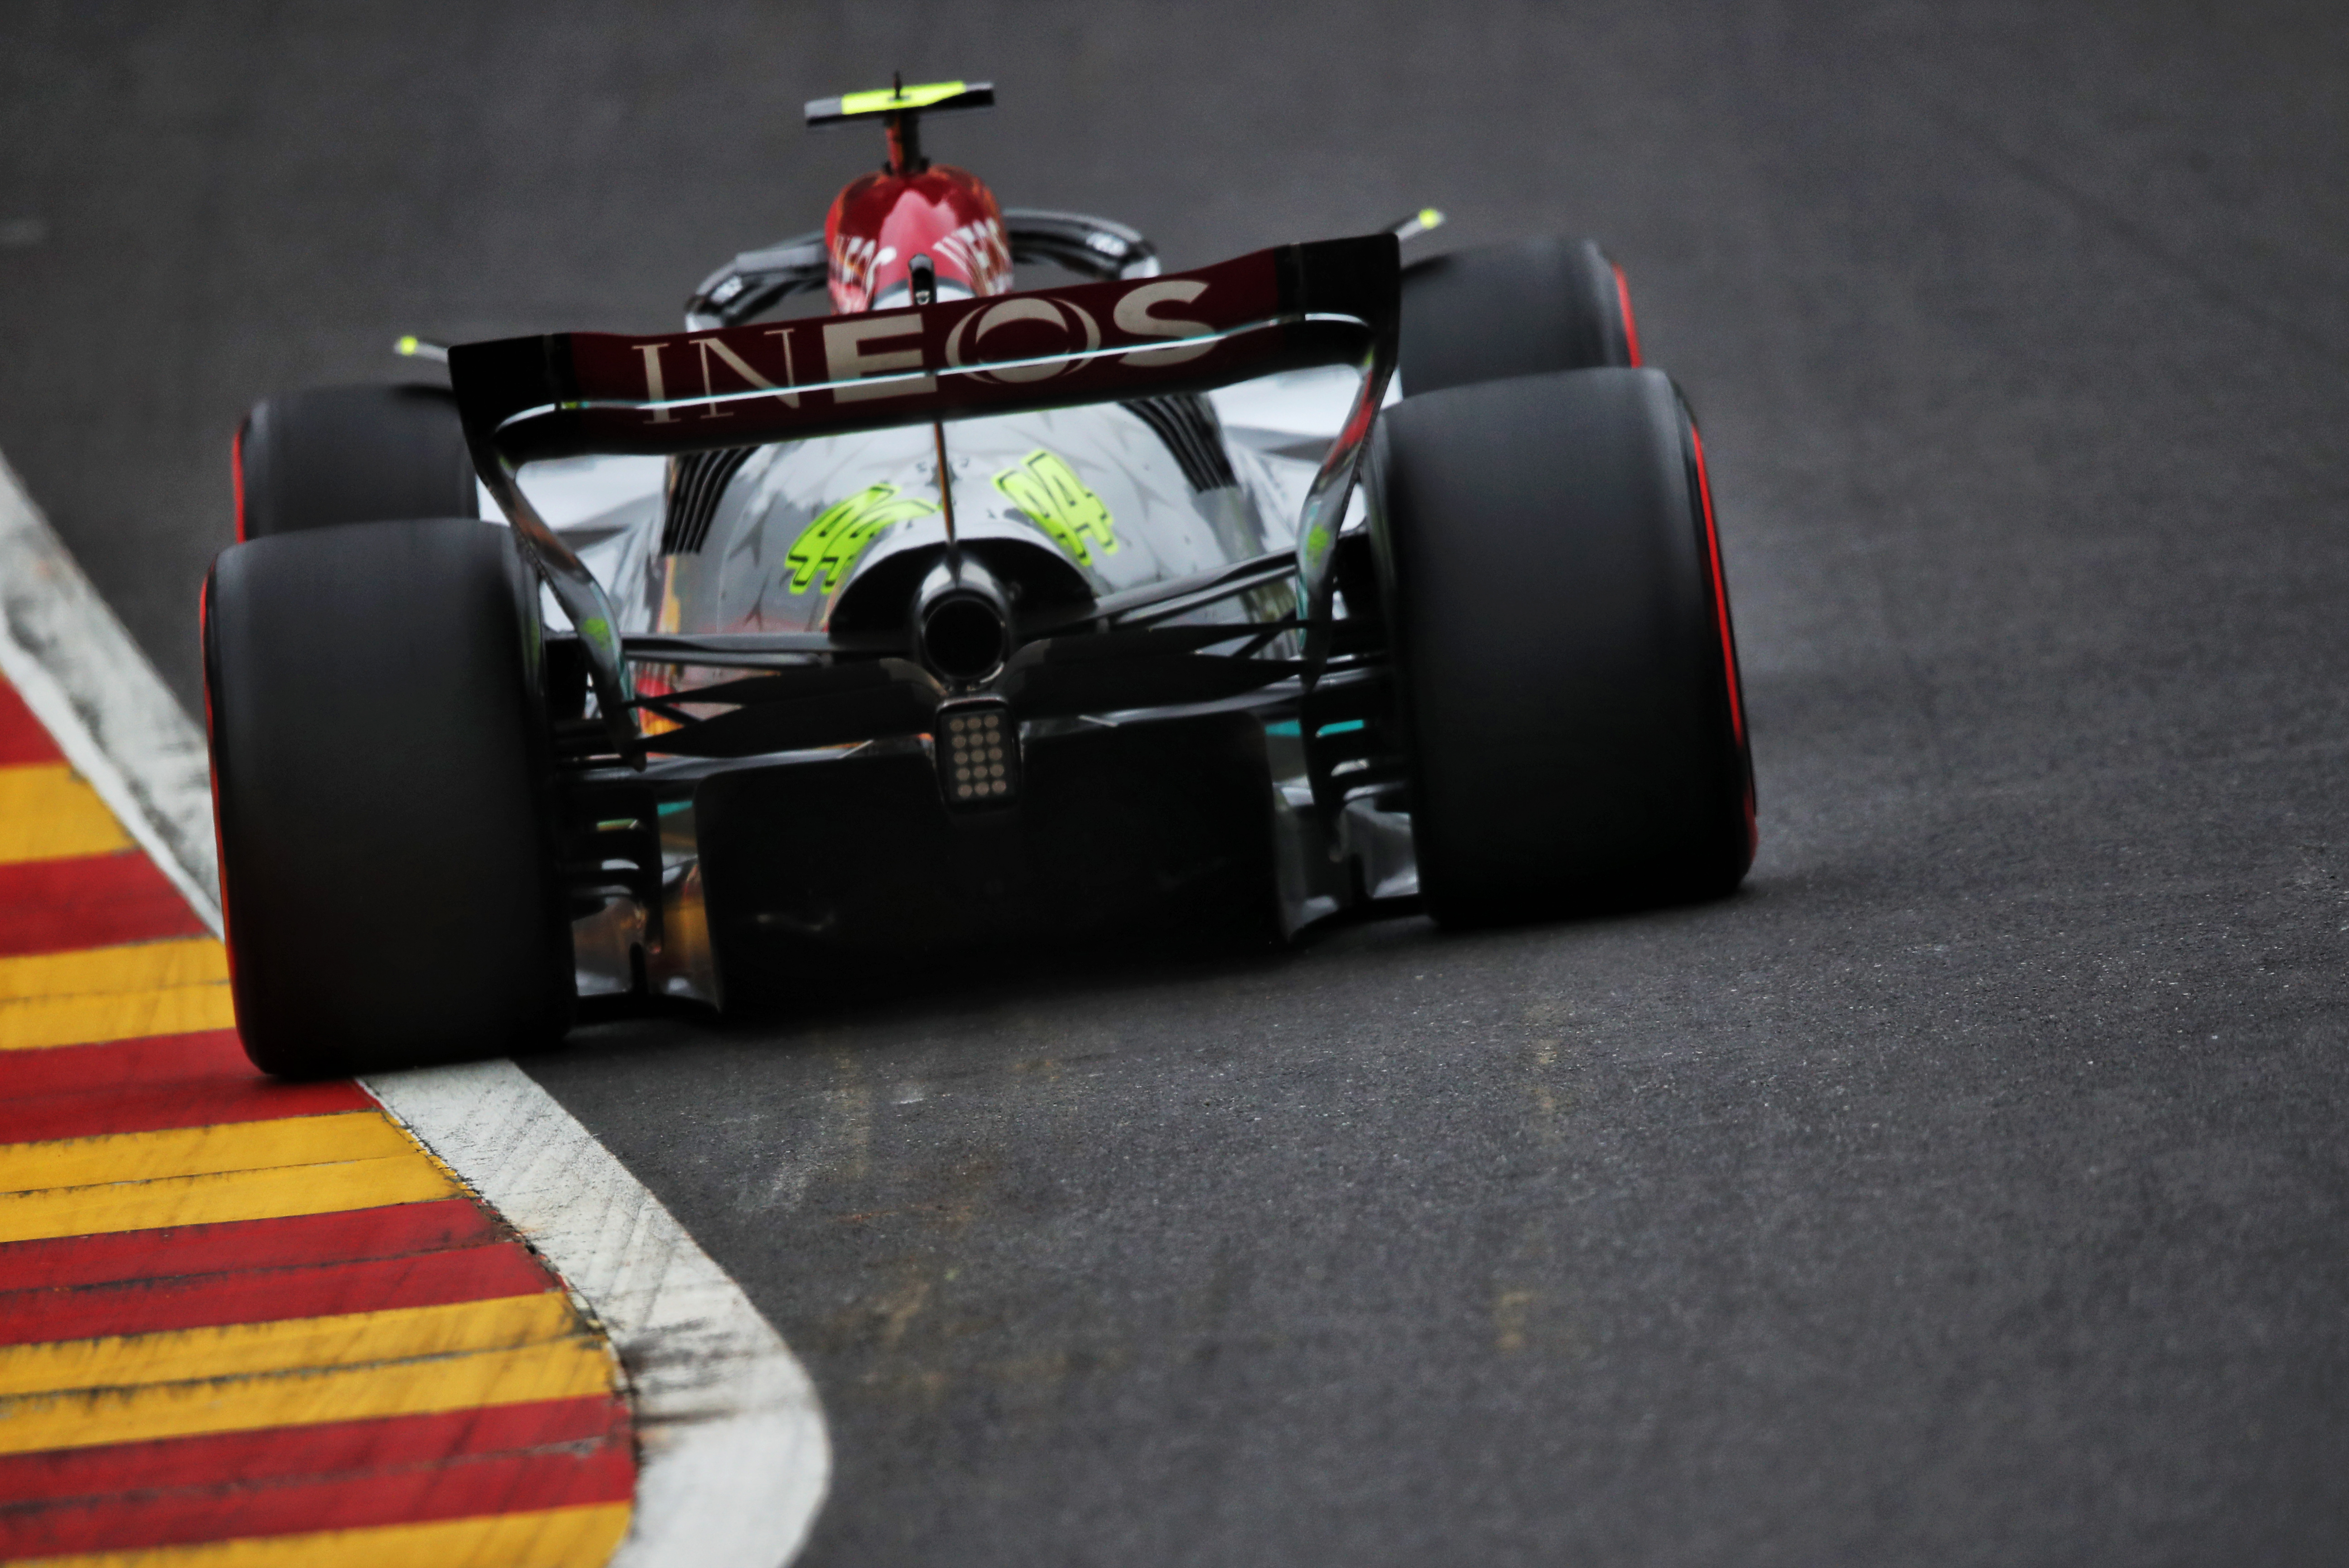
point(796, 552)
point(966, 623)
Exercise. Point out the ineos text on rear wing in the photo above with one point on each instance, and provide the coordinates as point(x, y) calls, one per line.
point(527, 399)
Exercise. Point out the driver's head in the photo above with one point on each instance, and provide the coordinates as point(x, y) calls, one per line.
point(879, 223)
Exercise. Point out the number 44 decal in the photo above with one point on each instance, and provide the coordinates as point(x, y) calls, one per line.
point(1041, 485)
point(1048, 490)
point(830, 546)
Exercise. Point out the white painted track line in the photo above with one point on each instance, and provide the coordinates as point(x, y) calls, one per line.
point(735, 1460)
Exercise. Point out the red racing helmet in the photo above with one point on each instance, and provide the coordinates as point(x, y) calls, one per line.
point(916, 230)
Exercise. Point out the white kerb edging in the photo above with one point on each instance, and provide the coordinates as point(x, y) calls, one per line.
point(734, 1457)
point(119, 726)
point(735, 1460)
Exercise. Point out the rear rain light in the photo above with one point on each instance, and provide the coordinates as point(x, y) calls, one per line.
point(978, 754)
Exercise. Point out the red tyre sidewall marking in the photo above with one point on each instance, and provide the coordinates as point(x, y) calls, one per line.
point(236, 463)
point(1728, 641)
point(1630, 341)
point(212, 731)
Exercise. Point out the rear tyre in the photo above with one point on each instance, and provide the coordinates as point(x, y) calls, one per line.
point(380, 787)
point(1517, 310)
point(351, 455)
point(1566, 673)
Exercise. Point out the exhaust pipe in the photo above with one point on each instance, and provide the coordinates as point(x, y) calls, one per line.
point(962, 621)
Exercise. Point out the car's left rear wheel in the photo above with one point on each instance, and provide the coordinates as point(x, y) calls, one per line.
point(326, 455)
point(381, 791)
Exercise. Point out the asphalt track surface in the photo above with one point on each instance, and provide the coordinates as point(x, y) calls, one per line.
point(1970, 1188)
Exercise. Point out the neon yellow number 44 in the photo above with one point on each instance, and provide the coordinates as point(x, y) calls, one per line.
point(1048, 490)
point(830, 546)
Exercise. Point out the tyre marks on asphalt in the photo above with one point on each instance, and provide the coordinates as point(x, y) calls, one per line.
point(245, 1322)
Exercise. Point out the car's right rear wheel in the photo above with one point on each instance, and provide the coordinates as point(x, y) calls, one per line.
point(1522, 309)
point(381, 791)
point(1566, 669)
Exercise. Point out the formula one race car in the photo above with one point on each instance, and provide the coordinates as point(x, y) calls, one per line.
point(959, 621)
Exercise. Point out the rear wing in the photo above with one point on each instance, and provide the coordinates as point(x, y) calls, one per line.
point(580, 392)
point(527, 399)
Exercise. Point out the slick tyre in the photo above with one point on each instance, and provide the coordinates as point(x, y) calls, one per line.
point(1566, 673)
point(351, 455)
point(1516, 309)
point(380, 787)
